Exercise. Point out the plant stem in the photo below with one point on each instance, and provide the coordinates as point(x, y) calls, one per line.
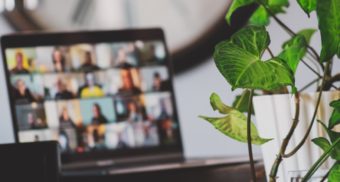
point(270, 52)
point(313, 118)
point(278, 160)
point(250, 150)
point(313, 52)
point(320, 161)
point(309, 67)
point(309, 84)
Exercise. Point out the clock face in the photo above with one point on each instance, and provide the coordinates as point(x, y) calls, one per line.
point(182, 20)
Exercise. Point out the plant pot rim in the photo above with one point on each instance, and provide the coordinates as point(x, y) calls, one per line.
point(290, 94)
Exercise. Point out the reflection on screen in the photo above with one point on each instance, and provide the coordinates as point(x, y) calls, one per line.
point(92, 97)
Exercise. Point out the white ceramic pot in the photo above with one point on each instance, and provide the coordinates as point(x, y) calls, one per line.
point(274, 115)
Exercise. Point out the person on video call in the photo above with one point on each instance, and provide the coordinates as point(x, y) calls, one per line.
point(128, 86)
point(135, 114)
point(22, 93)
point(19, 67)
point(35, 123)
point(62, 92)
point(65, 125)
point(98, 117)
point(91, 88)
point(58, 60)
point(158, 84)
point(88, 64)
point(122, 59)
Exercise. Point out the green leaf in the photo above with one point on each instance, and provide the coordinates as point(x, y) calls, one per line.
point(322, 142)
point(241, 101)
point(236, 4)
point(239, 61)
point(260, 17)
point(217, 104)
point(329, 25)
point(320, 161)
point(334, 174)
point(307, 5)
point(335, 117)
point(307, 33)
point(234, 124)
point(294, 51)
point(335, 104)
point(276, 6)
point(334, 136)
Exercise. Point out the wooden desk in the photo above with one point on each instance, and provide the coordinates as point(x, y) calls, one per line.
point(203, 173)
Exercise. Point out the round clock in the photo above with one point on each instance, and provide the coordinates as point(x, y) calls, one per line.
point(192, 27)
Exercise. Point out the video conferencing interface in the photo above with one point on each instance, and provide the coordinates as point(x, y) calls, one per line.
point(93, 97)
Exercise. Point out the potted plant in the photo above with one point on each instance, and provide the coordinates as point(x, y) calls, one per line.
point(240, 60)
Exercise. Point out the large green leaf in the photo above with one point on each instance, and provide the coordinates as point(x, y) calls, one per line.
point(294, 51)
point(307, 5)
point(234, 124)
point(307, 33)
point(334, 174)
point(239, 61)
point(329, 25)
point(236, 4)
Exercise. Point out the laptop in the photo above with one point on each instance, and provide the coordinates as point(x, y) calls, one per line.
point(106, 96)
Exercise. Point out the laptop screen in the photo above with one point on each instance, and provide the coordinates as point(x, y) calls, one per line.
point(93, 97)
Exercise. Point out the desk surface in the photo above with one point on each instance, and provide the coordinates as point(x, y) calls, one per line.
point(212, 170)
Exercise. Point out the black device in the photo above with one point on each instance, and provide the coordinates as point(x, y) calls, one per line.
point(39, 162)
point(106, 96)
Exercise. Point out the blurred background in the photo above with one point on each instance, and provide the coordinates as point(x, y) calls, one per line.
point(192, 29)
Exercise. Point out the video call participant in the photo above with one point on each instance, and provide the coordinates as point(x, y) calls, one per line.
point(19, 67)
point(58, 60)
point(66, 125)
point(62, 92)
point(158, 84)
point(98, 117)
point(136, 113)
point(22, 93)
point(91, 88)
point(88, 65)
point(128, 86)
point(35, 123)
point(122, 59)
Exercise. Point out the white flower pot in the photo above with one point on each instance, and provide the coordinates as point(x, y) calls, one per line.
point(274, 114)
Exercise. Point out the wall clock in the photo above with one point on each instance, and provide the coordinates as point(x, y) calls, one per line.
point(192, 27)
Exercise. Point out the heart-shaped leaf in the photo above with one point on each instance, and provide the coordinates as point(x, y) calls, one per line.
point(334, 173)
point(234, 124)
point(239, 61)
point(307, 5)
point(329, 25)
point(294, 51)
